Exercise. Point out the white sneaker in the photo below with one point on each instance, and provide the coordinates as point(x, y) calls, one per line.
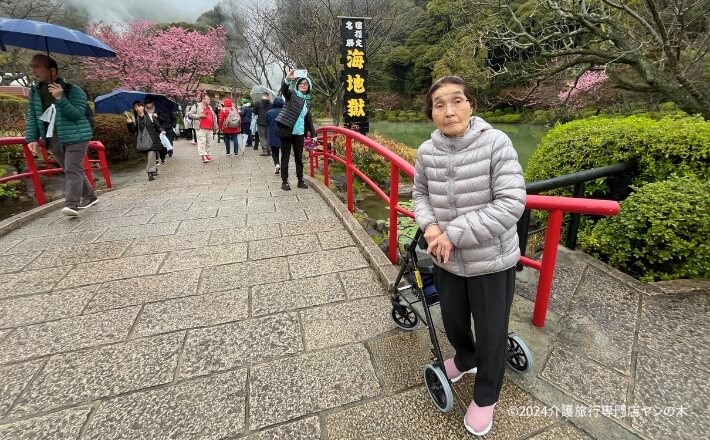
point(69, 212)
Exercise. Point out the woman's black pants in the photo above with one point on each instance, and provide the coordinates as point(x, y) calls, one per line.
point(488, 299)
point(294, 141)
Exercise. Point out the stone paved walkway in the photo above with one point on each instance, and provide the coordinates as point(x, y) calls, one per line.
point(211, 304)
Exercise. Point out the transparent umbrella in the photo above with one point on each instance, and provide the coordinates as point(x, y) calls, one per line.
point(259, 90)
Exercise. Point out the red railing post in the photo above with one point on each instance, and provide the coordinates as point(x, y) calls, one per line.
point(87, 170)
point(326, 157)
point(32, 169)
point(394, 201)
point(349, 173)
point(549, 258)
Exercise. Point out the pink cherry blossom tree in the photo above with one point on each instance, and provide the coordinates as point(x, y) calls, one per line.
point(589, 82)
point(156, 60)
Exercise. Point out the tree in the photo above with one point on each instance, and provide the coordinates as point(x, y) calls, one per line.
point(154, 60)
point(649, 46)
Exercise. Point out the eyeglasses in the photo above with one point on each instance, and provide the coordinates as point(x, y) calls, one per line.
point(457, 104)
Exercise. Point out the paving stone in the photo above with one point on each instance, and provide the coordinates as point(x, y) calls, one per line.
point(145, 289)
point(304, 429)
point(337, 324)
point(8, 243)
point(361, 283)
point(109, 270)
point(281, 247)
point(13, 379)
point(218, 204)
point(601, 321)
point(193, 311)
point(240, 344)
point(212, 407)
point(271, 218)
point(566, 431)
point(92, 225)
point(685, 320)
point(139, 231)
point(43, 243)
point(310, 227)
point(108, 213)
point(318, 263)
point(32, 309)
point(378, 257)
point(401, 358)
point(205, 257)
point(67, 334)
point(290, 388)
point(168, 216)
point(15, 262)
point(211, 224)
point(568, 273)
point(78, 254)
point(290, 295)
point(42, 229)
point(335, 239)
point(320, 214)
point(584, 379)
point(167, 243)
point(289, 205)
point(260, 208)
point(4, 333)
point(250, 273)
point(141, 210)
point(663, 383)
point(32, 281)
point(83, 376)
point(60, 425)
point(240, 235)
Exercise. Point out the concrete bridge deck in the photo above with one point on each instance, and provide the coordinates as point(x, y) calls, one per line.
point(210, 304)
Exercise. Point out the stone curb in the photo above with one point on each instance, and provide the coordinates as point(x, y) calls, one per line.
point(19, 220)
point(386, 271)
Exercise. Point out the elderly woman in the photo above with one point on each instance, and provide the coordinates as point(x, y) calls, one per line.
point(469, 193)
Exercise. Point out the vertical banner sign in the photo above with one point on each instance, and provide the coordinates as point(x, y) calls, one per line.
point(354, 74)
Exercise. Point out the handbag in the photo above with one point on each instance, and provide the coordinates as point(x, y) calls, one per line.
point(144, 143)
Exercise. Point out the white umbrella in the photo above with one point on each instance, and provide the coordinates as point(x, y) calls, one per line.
point(259, 90)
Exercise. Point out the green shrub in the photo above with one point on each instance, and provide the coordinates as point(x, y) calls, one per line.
point(588, 112)
point(660, 148)
point(668, 107)
point(661, 232)
point(372, 164)
point(120, 144)
point(506, 119)
point(12, 115)
point(391, 116)
point(542, 117)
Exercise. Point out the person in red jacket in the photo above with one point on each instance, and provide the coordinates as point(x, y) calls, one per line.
point(230, 123)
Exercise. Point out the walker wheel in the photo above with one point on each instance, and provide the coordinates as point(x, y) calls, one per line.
point(403, 316)
point(439, 388)
point(519, 356)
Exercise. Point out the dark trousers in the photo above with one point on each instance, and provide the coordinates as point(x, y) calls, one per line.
point(231, 137)
point(275, 153)
point(488, 298)
point(71, 158)
point(246, 129)
point(287, 143)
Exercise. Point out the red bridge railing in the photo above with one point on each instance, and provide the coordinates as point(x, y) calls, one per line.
point(33, 172)
point(556, 206)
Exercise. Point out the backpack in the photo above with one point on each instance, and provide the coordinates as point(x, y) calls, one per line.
point(89, 113)
point(233, 120)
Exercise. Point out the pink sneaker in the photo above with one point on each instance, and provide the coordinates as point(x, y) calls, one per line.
point(204, 159)
point(453, 373)
point(479, 419)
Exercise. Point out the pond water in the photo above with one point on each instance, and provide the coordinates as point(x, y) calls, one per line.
point(525, 138)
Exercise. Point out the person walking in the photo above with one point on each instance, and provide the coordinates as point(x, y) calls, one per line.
point(189, 124)
point(272, 138)
point(260, 110)
point(231, 124)
point(164, 122)
point(292, 123)
point(206, 121)
point(246, 115)
point(142, 120)
point(469, 194)
point(56, 113)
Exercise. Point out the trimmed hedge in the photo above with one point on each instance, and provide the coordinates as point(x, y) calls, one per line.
point(372, 164)
point(661, 148)
point(661, 232)
point(12, 115)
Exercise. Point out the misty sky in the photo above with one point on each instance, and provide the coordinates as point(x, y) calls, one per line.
point(111, 11)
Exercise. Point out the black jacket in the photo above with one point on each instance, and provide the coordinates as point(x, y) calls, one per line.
point(153, 126)
point(260, 109)
point(245, 114)
point(292, 110)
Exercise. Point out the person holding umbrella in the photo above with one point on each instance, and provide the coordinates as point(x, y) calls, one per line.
point(57, 114)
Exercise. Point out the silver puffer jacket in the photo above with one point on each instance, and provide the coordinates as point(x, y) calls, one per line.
point(473, 188)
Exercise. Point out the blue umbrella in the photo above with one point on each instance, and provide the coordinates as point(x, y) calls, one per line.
point(48, 37)
point(120, 101)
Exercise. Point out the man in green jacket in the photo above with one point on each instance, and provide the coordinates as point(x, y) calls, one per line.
point(57, 114)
